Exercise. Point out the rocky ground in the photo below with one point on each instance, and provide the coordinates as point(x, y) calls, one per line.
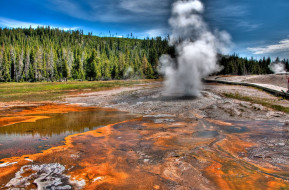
point(280, 80)
point(149, 100)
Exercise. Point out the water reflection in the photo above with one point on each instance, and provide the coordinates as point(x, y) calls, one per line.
point(27, 138)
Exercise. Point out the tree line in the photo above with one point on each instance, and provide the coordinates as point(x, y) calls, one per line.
point(235, 65)
point(46, 54)
point(51, 54)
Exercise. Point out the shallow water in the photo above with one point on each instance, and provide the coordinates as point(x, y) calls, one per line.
point(28, 138)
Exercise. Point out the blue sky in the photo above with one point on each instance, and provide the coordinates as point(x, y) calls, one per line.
point(258, 27)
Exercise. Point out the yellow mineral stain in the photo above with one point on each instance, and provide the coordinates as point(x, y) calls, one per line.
point(219, 122)
point(235, 144)
point(215, 172)
point(54, 108)
point(5, 121)
point(36, 113)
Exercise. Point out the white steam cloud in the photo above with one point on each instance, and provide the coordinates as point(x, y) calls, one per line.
point(196, 49)
point(277, 67)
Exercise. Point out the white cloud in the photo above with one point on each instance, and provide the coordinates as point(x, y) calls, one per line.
point(227, 9)
point(148, 6)
point(282, 46)
point(10, 23)
point(156, 32)
point(71, 8)
point(227, 13)
point(16, 24)
point(111, 10)
point(247, 26)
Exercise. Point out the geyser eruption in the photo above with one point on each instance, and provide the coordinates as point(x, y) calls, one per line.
point(196, 49)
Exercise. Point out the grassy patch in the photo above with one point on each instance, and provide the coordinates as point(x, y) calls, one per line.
point(46, 91)
point(257, 101)
point(284, 188)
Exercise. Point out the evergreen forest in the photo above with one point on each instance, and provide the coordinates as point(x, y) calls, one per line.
point(50, 54)
point(46, 54)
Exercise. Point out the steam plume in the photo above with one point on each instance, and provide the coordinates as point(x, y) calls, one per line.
point(196, 49)
point(277, 67)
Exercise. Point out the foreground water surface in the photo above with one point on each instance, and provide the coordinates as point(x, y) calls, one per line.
point(50, 129)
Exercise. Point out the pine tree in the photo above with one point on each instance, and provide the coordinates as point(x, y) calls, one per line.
point(26, 64)
point(91, 68)
point(138, 64)
point(114, 67)
point(65, 70)
point(50, 65)
point(105, 67)
point(19, 73)
point(70, 61)
point(107, 70)
point(147, 68)
point(81, 70)
point(39, 64)
point(121, 65)
point(95, 70)
point(6, 68)
point(1, 65)
point(13, 66)
point(32, 66)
